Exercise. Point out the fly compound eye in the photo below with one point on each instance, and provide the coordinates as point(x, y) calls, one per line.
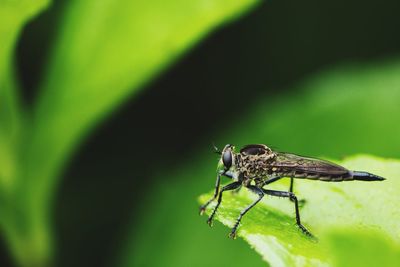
point(227, 159)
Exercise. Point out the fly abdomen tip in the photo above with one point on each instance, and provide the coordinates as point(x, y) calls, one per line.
point(366, 176)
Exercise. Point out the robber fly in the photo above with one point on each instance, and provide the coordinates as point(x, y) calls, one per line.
point(256, 166)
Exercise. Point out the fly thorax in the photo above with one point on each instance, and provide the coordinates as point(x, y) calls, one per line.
point(255, 165)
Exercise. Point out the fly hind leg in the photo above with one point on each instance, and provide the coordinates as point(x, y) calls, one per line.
point(301, 202)
point(293, 198)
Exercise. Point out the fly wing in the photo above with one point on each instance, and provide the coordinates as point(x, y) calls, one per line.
point(304, 167)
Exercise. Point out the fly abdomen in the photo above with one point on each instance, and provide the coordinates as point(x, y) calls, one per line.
point(327, 177)
point(312, 176)
point(291, 165)
point(351, 175)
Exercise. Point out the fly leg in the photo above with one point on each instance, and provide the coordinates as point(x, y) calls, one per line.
point(272, 179)
point(291, 185)
point(237, 190)
point(260, 194)
point(217, 183)
point(228, 187)
point(301, 201)
point(293, 198)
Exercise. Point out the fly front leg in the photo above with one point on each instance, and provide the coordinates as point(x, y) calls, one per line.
point(293, 198)
point(217, 183)
point(228, 187)
point(260, 194)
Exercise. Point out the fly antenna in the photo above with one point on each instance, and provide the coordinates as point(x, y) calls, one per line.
point(216, 150)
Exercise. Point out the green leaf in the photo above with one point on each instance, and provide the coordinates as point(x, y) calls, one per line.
point(356, 248)
point(13, 16)
point(368, 207)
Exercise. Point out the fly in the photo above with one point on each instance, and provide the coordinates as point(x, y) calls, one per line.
point(256, 166)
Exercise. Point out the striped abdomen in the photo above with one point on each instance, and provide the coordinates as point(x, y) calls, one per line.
point(291, 165)
point(327, 177)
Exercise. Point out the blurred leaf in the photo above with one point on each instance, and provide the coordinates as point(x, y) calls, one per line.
point(364, 206)
point(351, 109)
point(105, 51)
point(13, 16)
point(356, 248)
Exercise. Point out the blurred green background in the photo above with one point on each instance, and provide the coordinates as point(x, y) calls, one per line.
point(311, 77)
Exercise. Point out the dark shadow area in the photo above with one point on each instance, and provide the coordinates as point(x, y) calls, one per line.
point(5, 259)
